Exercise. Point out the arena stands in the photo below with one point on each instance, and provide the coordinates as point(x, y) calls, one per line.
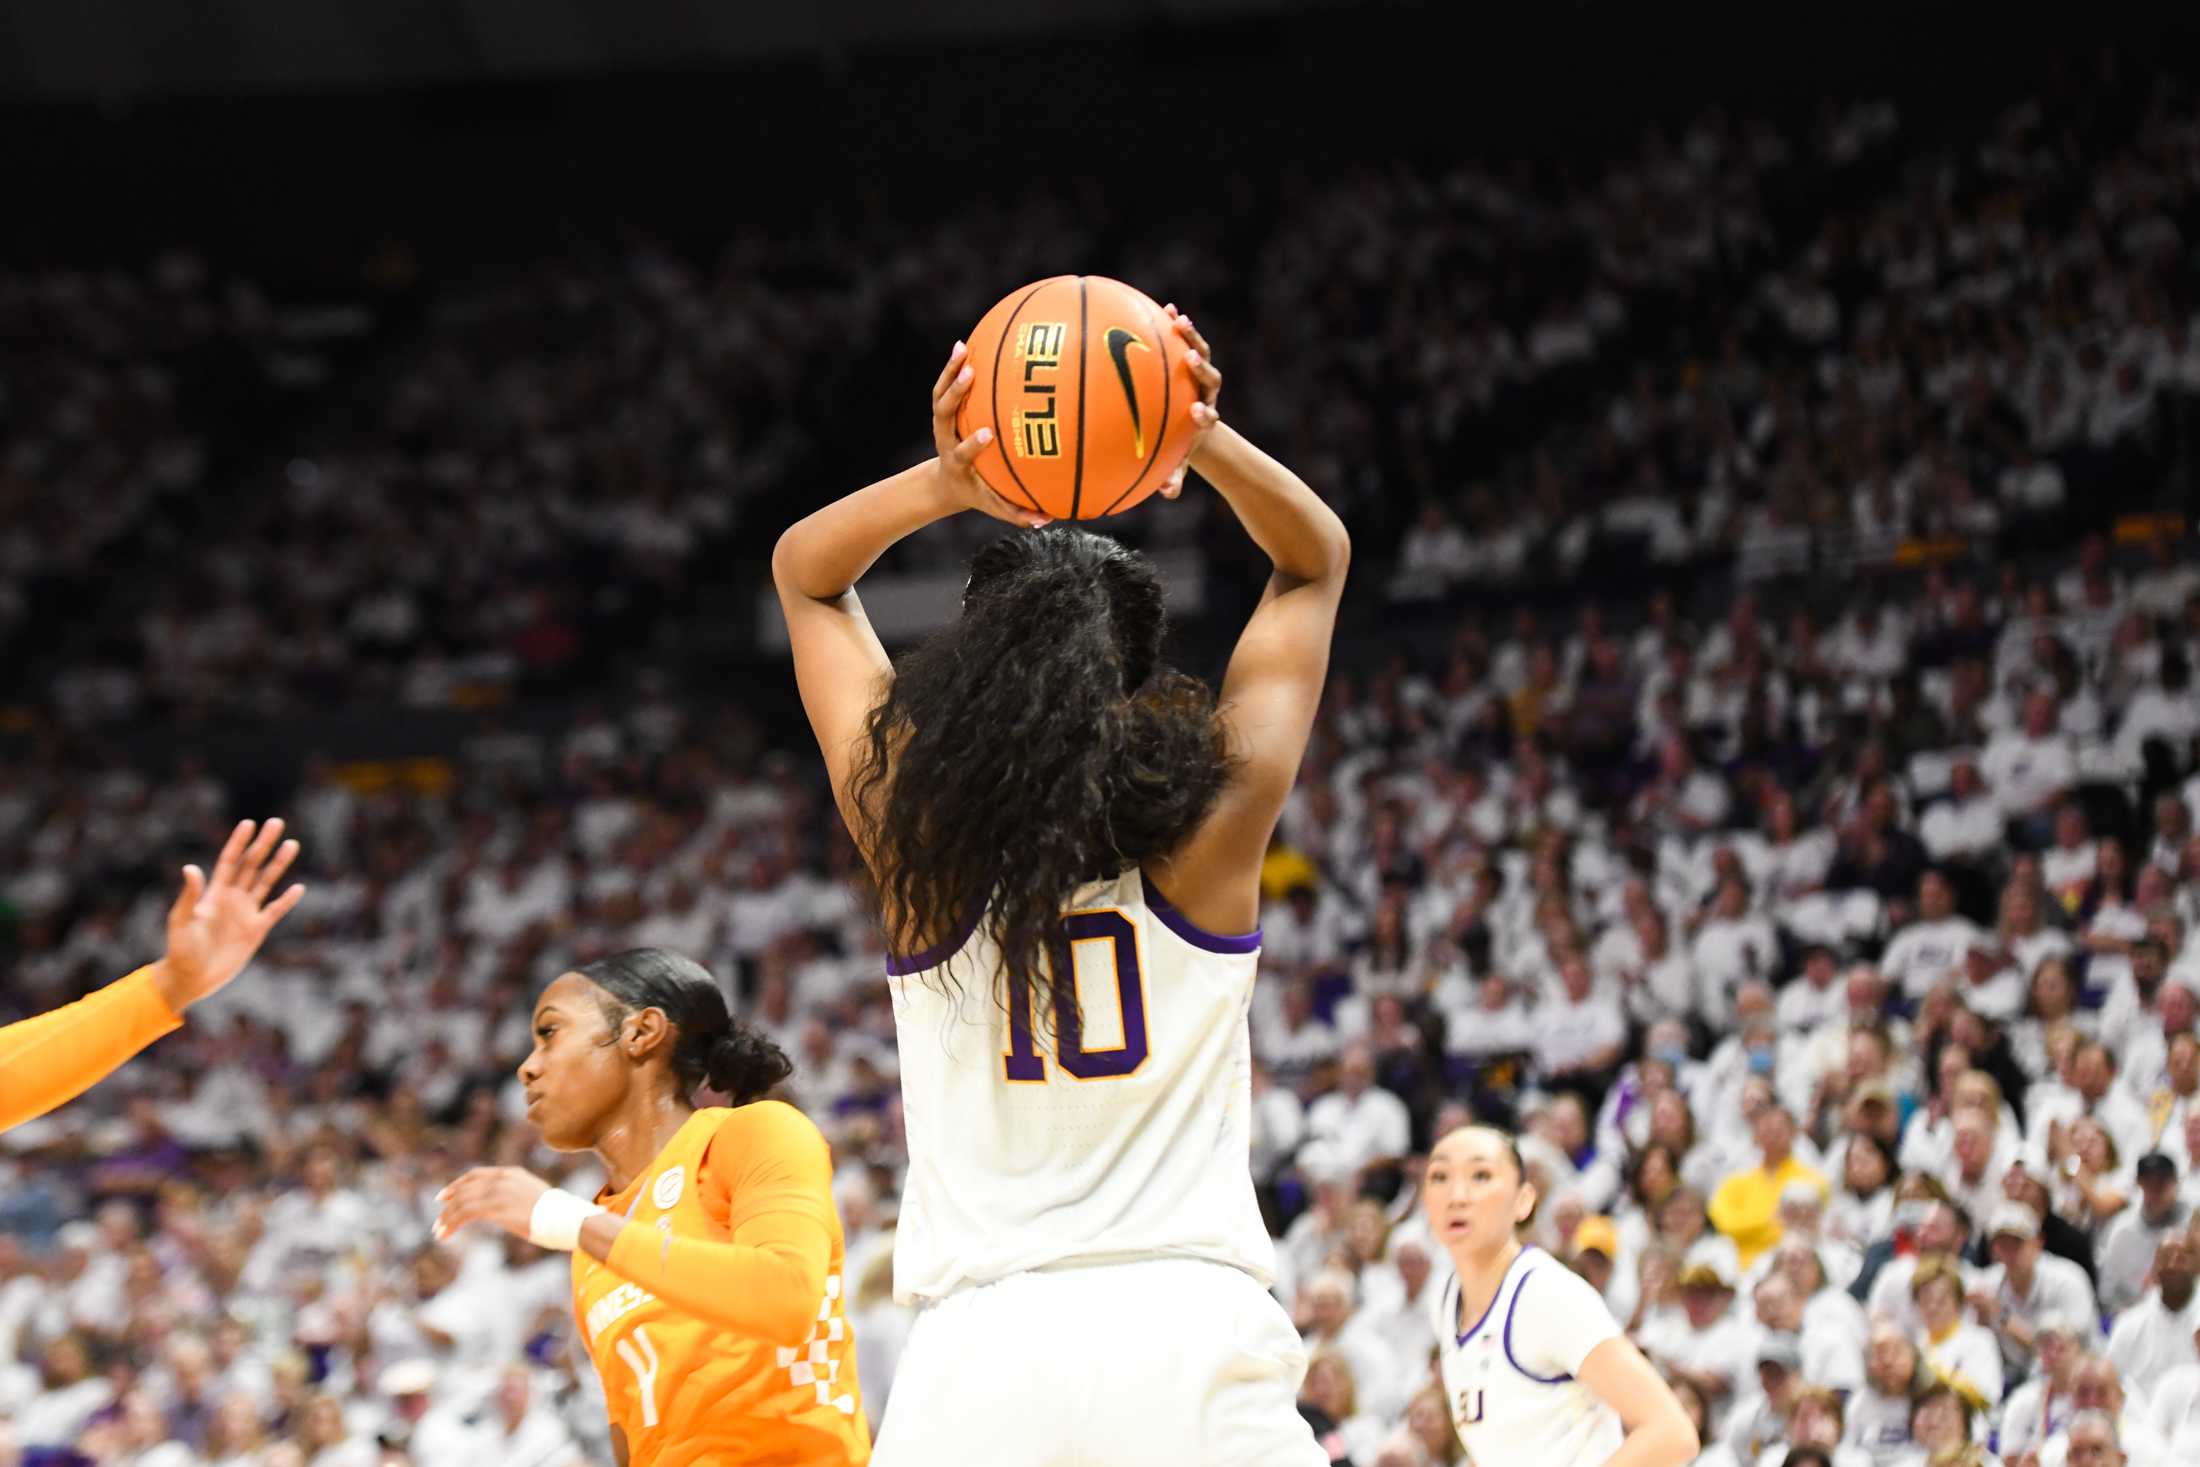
point(1774, 790)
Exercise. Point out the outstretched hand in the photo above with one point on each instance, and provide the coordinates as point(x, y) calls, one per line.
point(502, 1196)
point(958, 457)
point(1200, 357)
point(219, 922)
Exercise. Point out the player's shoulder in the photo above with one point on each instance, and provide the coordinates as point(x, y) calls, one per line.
point(767, 1122)
point(1548, 1289)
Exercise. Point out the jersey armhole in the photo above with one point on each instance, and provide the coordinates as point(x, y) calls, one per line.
point(1190, 931)
point(1512, 1307)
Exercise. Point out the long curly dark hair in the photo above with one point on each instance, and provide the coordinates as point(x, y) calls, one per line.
point(1034, 745)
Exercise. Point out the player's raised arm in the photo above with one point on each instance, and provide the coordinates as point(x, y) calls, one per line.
point(1274, 684)
point(839, 666)
point(214, 928)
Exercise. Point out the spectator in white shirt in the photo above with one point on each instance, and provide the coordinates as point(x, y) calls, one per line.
point(1878, 1416)
point(1816, 998)
point(1294, 1038)
point(2025, 1286)
point(1306, 935)
point(519, 1430)
point(1733, 947)
point(1683, 799)
point(2067, 866)
point(1968, 825)
point(2097, 1392)
point(2129, 1246)
point(1930, 948)
point(1581, 1035)
point(2173, 1411)
point(70, 1395)
point(2167, 711)
point(1359, 1124)
point(1962, 1354)
point(1328, 1320)
point(1708, 1345)
point(2155, 1336)
point(2042, 1405)
point(1399, 1314)
point(2031, 767)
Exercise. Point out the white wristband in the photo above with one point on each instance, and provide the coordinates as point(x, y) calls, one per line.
point(557, 1218)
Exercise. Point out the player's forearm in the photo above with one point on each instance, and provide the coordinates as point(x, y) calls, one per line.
point(826, 553)
point(1286, 519)
point(49, 1060)
point(1664, 1441)
point(767, 1288)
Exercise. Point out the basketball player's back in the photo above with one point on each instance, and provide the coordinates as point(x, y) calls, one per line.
point(1073, 1187)
point(1120, 1133)
point(1079, 1214)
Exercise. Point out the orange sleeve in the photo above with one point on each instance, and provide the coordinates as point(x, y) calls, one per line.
point(772, 1172)
point(55, 1057)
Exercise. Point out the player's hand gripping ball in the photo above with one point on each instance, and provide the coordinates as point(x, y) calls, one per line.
point(1084, 390)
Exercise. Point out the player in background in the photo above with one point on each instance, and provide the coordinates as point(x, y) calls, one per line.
point(1554, 1383)
point(1067, 836)
point(708, 1272)
point(214, 928)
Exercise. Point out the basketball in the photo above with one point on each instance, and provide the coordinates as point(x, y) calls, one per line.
point(1088, 395)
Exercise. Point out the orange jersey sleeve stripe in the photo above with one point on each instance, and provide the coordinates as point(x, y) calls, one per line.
point(52, 1059)
point(766, 1283)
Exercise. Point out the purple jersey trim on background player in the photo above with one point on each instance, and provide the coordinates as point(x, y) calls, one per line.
point(1488, 1309)
point(1559, 1379)
point(1197, 936)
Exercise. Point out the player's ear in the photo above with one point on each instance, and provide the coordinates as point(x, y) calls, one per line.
point(1524, 1206)
point(646, 1031)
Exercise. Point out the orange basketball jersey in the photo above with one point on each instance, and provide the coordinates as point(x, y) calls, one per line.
point(683, 1391)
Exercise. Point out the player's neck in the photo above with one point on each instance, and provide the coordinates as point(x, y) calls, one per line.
point(1480, 1277)
point(644, 1128)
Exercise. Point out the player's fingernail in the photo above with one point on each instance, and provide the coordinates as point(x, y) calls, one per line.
point(1192, 356)
point(964, 375)
point(983, 435)
point(960, 348)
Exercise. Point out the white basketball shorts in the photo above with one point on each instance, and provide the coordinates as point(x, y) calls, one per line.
point(1150, 1363)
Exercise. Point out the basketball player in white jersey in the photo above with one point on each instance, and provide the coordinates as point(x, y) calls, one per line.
point(1536, 1370)
point(1067, 838)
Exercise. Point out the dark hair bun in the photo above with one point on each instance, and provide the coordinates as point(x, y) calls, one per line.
point(745, 1064)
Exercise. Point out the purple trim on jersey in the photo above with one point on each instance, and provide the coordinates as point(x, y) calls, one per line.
point(1559, 1379)
point(931, 957)
point(1184, 927)
point(1489, 1308)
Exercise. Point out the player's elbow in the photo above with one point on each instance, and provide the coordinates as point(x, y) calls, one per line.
point(1336, 542)
point(785, 558)
point(795, 1316)
point(789, 1328)
point(1667, 1438)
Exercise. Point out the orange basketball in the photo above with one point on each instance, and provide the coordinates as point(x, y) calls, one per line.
point(1088, 395)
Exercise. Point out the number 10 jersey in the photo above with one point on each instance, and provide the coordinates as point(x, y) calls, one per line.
point(1124, 1133)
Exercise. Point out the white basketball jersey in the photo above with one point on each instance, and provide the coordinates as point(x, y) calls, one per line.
point(1509, 1376)
point(1039, 1143)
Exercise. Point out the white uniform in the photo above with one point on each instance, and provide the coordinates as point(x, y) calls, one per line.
point(1509, 1377)
point(1079, 1216)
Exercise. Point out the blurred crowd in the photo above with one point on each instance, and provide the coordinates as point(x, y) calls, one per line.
point(1829, 938)
point(1854, 1047)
